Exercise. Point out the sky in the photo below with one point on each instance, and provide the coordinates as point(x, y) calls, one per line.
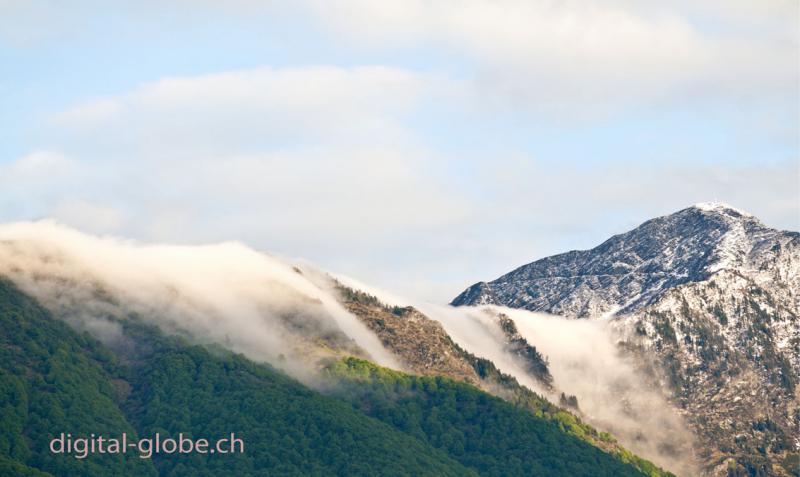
point(419, 146)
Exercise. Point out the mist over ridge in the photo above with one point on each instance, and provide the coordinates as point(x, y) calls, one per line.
point(290, 316)
point(227, 293)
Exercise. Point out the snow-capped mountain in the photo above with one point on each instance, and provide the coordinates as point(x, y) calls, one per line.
point(707, 299)
point(633, 269)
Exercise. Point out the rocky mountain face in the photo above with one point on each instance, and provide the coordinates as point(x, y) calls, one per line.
point(727, 350)
point(534, 363)
point(707, 300)
point(629, 271)
point(424, 347)
point(421, 343)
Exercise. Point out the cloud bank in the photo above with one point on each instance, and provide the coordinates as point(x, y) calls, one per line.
point(226, 294)
point(613, 394)
point(557, 57)
point(288, 314)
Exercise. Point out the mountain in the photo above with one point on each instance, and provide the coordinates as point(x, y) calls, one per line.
point(102, 336)
point(436, 343)
point(631, 270)
point(706, 301)
point(54, 380)
point(370, 421)
point(425, 347)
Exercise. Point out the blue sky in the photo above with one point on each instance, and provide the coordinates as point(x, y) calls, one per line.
point(420, 146)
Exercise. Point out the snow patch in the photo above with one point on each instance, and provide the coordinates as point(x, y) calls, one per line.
point(716, 206)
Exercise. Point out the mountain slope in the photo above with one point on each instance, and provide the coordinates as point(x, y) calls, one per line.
point(55, 379)
point(728, 350)
point(707, 300)
point(233, 298)
point(422, 345)
point(485, 433)
point(425, 347)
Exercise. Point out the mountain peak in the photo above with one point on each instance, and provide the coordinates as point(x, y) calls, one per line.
point(716, 206)
point(724, 210)
point(630, 270)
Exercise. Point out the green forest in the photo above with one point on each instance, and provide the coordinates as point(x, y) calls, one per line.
point(369, 420)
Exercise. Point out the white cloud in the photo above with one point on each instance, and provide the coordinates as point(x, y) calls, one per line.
point(225, 110)
point(553, 56)
point(32, 183)
point(38, 165)
point(24, 22)
point(377, 210)
point(223, 293)
point(564, 59)
point(88, 216)
point(89, 114)
point(301, 155)
point(326, 163)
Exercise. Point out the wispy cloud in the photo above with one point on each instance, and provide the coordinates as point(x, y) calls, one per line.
point(263, 105)
point(224, 293)
point(554, 57)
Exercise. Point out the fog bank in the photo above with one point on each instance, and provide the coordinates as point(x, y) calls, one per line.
point(613, 394)
point(226, 293)
point(288, 314)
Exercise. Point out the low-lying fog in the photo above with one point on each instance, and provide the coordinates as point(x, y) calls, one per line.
point(240, 298)
point(226, 293)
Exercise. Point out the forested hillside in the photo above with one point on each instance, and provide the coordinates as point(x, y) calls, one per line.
point(54, 379)
point(481, 431)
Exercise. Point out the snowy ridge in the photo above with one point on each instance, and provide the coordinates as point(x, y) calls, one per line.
point(631, 270)
point(718, 206)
